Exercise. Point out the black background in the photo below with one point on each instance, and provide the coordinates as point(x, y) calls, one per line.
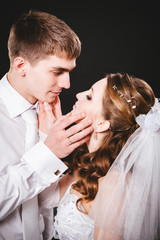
point(116, 36)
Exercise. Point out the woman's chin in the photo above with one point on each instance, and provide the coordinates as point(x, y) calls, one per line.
point(75, 111)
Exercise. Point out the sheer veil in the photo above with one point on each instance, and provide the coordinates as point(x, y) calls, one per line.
point(127, 205)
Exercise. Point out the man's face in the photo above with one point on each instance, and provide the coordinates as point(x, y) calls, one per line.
point(46, 79)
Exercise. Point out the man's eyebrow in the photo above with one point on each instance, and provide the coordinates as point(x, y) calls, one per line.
point(61, 69)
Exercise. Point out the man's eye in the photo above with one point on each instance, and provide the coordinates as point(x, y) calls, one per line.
point(88, 97)
point(57, 73)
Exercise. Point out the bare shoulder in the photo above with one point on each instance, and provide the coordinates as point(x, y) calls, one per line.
point(85, 204)
point(66, 181)
point(100, 180)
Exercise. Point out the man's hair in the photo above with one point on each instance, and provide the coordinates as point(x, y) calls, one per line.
point(37, 35)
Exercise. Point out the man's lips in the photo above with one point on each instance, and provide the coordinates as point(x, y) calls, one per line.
point(55, 93)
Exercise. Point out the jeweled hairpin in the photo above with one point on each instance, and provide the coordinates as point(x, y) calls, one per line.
point(129, 101)
point(134, 106)
point(114, 87)
point(121, 95)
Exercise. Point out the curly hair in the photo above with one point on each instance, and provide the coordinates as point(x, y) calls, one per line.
point(125, 97)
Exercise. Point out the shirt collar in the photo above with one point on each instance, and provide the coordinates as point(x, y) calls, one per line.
point(15, 103)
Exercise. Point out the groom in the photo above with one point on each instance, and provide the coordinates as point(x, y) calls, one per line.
point(42, 52)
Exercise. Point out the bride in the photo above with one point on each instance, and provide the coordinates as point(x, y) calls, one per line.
point(111, 190)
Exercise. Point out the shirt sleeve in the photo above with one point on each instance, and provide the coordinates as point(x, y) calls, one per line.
point(50, 169)
point(37, 169)
point(22, 175)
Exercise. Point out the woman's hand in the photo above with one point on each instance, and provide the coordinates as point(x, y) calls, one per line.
point(48, 114)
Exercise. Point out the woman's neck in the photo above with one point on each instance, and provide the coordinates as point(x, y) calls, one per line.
point(94, 142)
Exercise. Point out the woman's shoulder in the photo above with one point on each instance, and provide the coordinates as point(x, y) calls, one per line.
point(100, 180)
point(86, 204)
point(65, 182)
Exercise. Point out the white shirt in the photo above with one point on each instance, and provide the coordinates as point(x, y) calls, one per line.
point(22, 174)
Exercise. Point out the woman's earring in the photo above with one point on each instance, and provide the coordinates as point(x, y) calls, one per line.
point(24, 74)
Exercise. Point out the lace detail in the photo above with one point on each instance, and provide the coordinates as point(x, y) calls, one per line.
point(70, 223)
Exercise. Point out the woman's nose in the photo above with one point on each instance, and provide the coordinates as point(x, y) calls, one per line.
point(77, 95)
point(81, 95)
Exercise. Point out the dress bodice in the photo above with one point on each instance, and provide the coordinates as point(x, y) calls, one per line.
point(70, 223)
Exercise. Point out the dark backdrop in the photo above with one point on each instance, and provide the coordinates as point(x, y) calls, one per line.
point(116, 36)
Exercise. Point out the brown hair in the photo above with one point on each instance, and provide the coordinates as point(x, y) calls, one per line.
point(122, 94)
point(38, 34)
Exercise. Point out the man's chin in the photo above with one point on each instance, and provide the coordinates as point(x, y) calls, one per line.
point(50, 100)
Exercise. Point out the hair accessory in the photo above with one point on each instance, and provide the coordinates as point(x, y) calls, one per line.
point(121, 95)
point(114, 87)
point(134, 106)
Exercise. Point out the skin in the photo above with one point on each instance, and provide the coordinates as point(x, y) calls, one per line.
point(86, 103)
point(90, 102)
point(44, 81)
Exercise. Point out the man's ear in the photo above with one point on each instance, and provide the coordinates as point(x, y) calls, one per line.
point(20, 65)
point(102, 126)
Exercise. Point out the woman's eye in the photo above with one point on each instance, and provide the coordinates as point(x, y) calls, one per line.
point(88, 97)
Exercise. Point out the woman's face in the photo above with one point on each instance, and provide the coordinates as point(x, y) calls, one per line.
point(90, 102)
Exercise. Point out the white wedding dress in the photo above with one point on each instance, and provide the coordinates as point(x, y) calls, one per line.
point(70, 223)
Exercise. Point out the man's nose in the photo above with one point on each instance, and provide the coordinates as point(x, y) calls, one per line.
point(64, 82)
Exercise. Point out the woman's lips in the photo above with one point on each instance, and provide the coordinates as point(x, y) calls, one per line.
point(75, 106)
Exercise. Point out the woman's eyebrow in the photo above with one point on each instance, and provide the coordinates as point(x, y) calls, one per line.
point(92, 90)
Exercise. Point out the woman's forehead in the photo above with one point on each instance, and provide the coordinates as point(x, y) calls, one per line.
point(101, 83)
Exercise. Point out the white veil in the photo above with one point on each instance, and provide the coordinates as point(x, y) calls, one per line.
point(127, 205)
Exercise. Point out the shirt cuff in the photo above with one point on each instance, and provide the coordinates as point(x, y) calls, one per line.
point(45, 162)
point(42, 136)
